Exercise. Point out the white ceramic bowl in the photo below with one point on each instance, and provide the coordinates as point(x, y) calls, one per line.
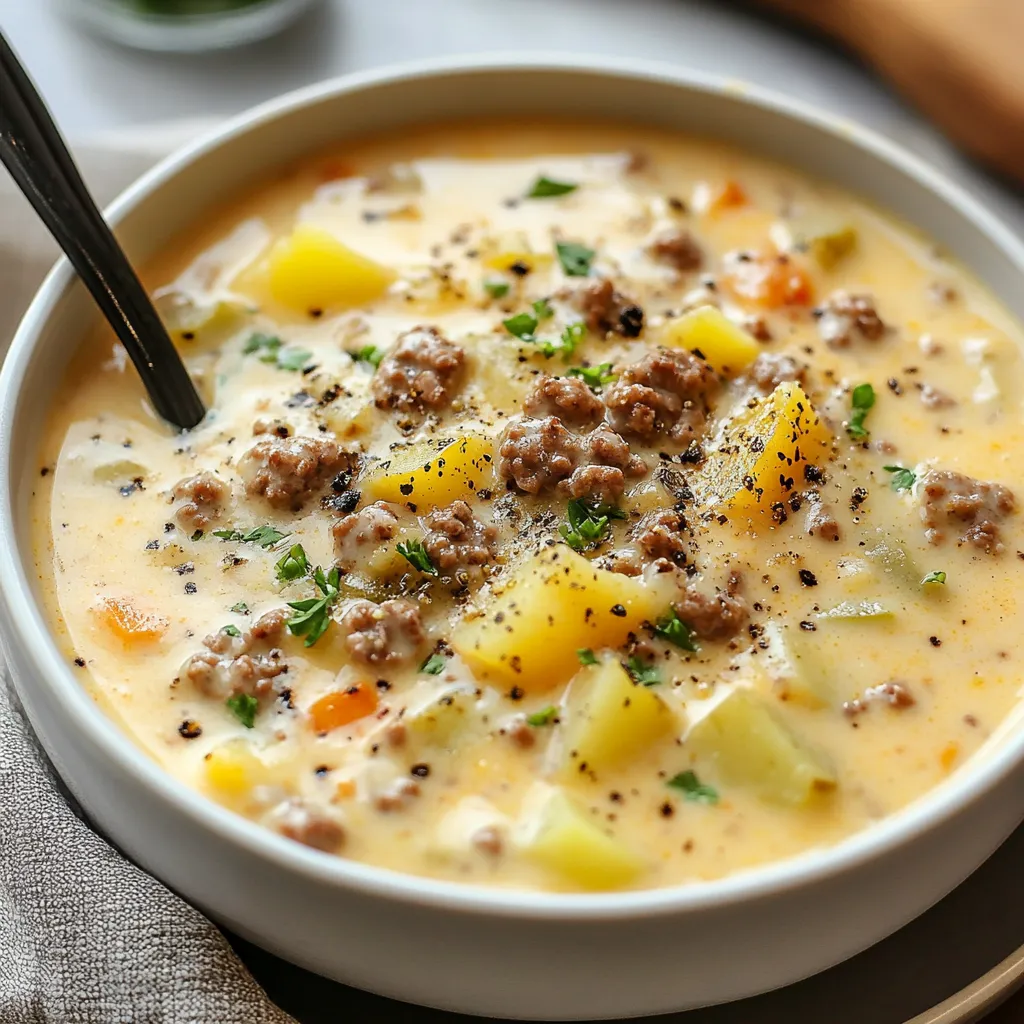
point(472, 949)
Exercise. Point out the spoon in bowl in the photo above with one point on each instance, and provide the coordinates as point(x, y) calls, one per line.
point(34, 153)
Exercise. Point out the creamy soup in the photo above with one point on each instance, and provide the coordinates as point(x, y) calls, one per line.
point(578, 507)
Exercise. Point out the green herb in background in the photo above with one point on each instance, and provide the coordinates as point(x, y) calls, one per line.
point(688, 783)
point(313, 614)
point(545, 188)
point(587, 656)
point(496, 289)
point(244, 707)
point(369, 354)
point(434, 665)
point(644, 674)
point(416, 554)
point(574, 258)
point(672, 628)
point(262, 536)
point(595, 377)
point(902, 478)
point(543, 717)
point(587, 523)
point(935, 577)
point(861, 402)
point(292, 565)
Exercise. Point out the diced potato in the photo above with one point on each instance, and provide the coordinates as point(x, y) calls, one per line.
point(795, 668)
point(128, 623)
point(429, 474)
point(893, 561)
point(764, 451)
point(439, 721)
point(334, 710)
point(608, 719)
point(233, 769)
point(725, 345)
point(564, 840)
point(311, 269)
point(552, 604)
point(751, 746)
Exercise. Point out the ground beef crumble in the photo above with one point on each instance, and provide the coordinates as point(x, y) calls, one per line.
point(568, 398)
point(540, 455)
point(297, 820)
point(975, 507)
point(716, 616)
point(382, 634)
point(368, 528)
point(770, 369)
point(845, 317)
point(605, 310)
point(458, 542)
point(421, 373)
point(677, 249)
point(202, 500)
point(286, 471)
point(232, 665)
point(664, 393)
point(661, 535)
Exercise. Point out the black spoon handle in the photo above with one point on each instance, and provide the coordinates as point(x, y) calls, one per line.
point(32, 150)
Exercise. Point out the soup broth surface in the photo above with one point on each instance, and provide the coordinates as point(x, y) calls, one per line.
point(579, 507)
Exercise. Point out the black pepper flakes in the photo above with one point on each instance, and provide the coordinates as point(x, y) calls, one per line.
point(190, 730)
point(420, 771)
point(516, 693)
point(934, 641)
point(80, 662)
point(191, 588)
point(807, 578)
point(618, 610)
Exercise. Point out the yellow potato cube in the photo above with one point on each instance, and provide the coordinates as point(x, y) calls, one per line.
point(764, 452)
point(311, 269)
point(606, 720)
point(725, 345)
point(553, 603)
point(440, 722)
point(232, 770)
point(750, 746)
point(428, 474)
point(564, 840)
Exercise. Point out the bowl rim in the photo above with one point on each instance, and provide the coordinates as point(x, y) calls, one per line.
point(25, 617)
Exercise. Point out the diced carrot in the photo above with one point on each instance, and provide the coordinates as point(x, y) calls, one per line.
point(950, 752)
point(342, 707)
point(345, 790)
point(125, 621)
point(769, 279)
point(727, 197)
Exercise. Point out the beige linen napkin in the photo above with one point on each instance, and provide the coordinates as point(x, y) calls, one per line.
point(85, 936)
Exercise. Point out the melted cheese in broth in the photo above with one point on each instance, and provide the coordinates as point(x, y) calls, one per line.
point(705, 602)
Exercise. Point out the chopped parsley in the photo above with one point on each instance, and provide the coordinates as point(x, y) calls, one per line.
point(587, 656)
point(524, 325)
point(416, 554)
point(262, 536)
point(313, 615)
point(861, 401)
point(244, 707)
point(545, 188)
point(574, 258)
point(434, 665)
point(688, 783)
point(369, 354)
point(594, 376)
point(292, 565)
point(496, 289)
point(644, 674)
point(272, 350)
point(902, 478)
point(587, 524)
point(935, 577)
point(231, 630)
point(672, 628)
point(543, 717)
point(240, 609)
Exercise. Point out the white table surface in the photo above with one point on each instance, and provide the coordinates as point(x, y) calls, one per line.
point(98, 87)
